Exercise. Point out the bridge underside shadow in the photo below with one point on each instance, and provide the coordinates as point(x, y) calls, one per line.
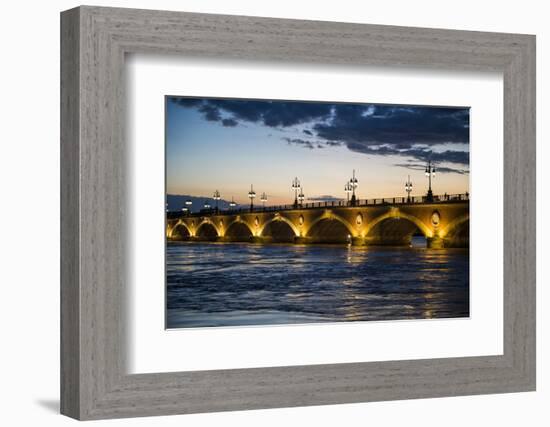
point(392, 232)
point(238, 232)
point(459, 237)
point(207, 232)
point(180, 232)
point(329, 231)
point(278, 232)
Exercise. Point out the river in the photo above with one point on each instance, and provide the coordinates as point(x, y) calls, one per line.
point(237, 284)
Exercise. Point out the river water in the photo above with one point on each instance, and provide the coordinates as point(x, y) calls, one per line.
point(232, 284)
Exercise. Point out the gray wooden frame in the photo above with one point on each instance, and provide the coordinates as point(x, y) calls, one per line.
point(94, 382)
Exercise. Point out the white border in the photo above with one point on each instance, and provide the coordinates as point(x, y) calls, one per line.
point(152, 349)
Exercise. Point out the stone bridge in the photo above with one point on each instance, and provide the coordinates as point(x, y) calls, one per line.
point(444, 222)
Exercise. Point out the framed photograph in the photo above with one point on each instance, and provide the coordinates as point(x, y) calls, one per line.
point(310, 249)
point(262, 213)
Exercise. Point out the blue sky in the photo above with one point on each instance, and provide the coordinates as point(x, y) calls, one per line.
point(229, 144)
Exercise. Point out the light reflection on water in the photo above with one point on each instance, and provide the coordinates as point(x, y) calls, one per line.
point(230, 284)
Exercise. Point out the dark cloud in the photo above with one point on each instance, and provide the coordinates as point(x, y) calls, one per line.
point(403, 145)
point(450, 156)
point(365, 128)
point(186, 102)
point(298, 141)
point(424, 154)
point(440, 169)
point(396, 125)
point(211, 113)
point(229, 122)
point(271, 113)
point(310, 144)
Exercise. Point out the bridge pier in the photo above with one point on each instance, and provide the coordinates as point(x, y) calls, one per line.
point(435, 242)
point(358, 241)
point(439, 242)
point(387, 241)
point(180, 239)
point(204, 239)
point(235, 239)
point(431, 242)
point(457, 242)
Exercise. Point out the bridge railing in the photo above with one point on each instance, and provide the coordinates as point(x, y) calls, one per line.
point(413, 200)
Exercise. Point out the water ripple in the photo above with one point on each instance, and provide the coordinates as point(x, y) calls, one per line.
point(244, 284)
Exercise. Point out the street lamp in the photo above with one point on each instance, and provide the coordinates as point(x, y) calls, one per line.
point(232, 202)
point(295, 187)
point(263, 198)
point(216, 197)
point(409, 188)
point(430, 173)
point(185, 209)
point(301, 196)
point(251, 195)
point(347, 189)
point(206, 204)
point(354, 183)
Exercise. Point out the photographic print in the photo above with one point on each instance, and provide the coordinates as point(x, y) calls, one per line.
point(294, 212)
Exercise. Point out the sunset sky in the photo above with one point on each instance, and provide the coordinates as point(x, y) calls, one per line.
point(228, 144)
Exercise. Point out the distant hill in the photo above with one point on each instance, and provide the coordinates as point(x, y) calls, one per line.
point(177, 201)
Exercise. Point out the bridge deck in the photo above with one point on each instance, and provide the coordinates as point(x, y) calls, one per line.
point(387, 201)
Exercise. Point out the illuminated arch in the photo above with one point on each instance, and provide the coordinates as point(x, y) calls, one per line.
point(279, 218)
point(395, 214)
point(332, 216)
point(207, 221)
point(454, 224)
point(170, 231)
point(239, 221)
point(170, 228)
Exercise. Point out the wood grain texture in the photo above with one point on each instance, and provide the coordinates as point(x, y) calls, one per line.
point(70, 181)
point(94, 263)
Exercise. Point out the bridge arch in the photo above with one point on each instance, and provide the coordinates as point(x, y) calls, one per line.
point(399, 215)
point(330, 228)
point(395, 228)
point(238, 230)
point(179, 230)
point(207, 229)
point(457, 232)
point(455, 225)
point(267, 228)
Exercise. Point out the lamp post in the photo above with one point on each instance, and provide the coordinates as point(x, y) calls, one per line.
point(347, 189)
point(232, 203)
point(263, 198)
point(295, 187)
point(251, 195)
point(216, 197)
point(301, 196)
point(408, 188)
point(430, 173)
point(206, 204)
point(354, 183)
